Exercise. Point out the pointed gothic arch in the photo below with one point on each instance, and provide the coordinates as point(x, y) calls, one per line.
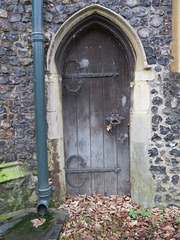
point(140, 120)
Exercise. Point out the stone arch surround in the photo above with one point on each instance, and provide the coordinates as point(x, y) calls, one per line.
point(142, 184)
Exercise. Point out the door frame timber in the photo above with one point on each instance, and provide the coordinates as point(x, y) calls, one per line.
point(140, 117)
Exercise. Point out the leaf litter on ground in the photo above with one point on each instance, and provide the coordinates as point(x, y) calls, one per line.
point(115, 217)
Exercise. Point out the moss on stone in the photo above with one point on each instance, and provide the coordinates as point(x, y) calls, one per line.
point(10, 171)
point(24, 230)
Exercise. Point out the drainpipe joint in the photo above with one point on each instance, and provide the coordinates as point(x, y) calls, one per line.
point(37, 37)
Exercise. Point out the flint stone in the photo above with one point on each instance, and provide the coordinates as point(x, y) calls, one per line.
point(25, 80)
point(175, 129)
point(166, 2)
point(116, 9)
point(2, 51)
point(153, 152)
point(28, 8)
point(166, 110)
point(14, 18)
point(15, 61)
point(158, 169)
point(19, 26)
point(169, 137)
point(132, 3)
point(20, 9)
point(157, 101)
point(71, 9)
point(59, 8)
point(158, 198)
point(155, 3)
point(145, 42)
point(166, 179)
point(156, 21)
point(19, 133)
point(144, 32)
point(48, 17)
point(154, 109)
point(22, 53)
point(21, 88)
point(157, 41)
point(126, 12)
point(28, 103)
point(144, 21)
point(164, 130)
point(175, 152)
point(145, 2)
point(154, 128)
point(168, 198)
point(19, 71)
point(10, 52)
point(158, 160)
point(134, 22)
point(5, 26)
point(30, 133)
point(171, 120)
point(26, 17)
point(174, 170)
point(175, 179)
point(156, 119)
point(149, 51)
point(10, 157)
point(31, 148)
point(172, 189)
point(29, 71)
point(19, 125)
point(13, 80)
point(165, 51)
point(5, 69)
point(154, 91)
point(3, 13)
point(3, 116)
point(3, 80)
point(158, 69)
point(23, 110)
point(156, 137)
point(140, 11)
point(174, 161)
point(151, 60)
point(160, 188)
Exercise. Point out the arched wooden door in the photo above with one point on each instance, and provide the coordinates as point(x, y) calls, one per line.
point(96, 102)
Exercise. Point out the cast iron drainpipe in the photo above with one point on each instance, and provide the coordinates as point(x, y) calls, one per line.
point(44, 190)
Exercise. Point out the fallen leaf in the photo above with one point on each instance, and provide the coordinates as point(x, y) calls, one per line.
point(99, 203)
point(133, 223)
point(97, 227)
point(38, 222)
point(169, 228)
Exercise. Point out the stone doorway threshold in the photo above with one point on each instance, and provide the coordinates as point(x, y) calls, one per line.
point(18, 225)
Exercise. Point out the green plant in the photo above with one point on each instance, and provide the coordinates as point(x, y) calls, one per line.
point(143, 212)
point(178, 219)
point(132, 213)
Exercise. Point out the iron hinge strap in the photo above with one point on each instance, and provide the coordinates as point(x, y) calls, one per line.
point(116, 170)
point(90, 75)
